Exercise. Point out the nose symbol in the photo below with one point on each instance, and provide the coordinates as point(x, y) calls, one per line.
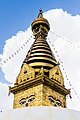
point(26, 104)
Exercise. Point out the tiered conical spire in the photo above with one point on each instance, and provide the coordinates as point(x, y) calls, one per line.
point(40, 54)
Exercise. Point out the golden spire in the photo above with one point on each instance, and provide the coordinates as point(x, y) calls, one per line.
point(40, 81)
point(40, 54)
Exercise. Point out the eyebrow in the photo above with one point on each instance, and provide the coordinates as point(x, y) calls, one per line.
point(31, 96)
point(58, 101)
point(22, 99)
point(51, 97)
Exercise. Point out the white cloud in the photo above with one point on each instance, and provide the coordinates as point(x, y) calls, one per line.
point(62, 24)
point(12, 67)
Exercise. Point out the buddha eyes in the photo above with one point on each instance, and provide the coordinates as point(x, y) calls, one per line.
point(27, 100)
point(55, 102)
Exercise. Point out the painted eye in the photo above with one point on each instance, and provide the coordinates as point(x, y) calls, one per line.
point(51, 99)
point(31, 99)
point(55, 105)
point(22, 102)
point(58, 103)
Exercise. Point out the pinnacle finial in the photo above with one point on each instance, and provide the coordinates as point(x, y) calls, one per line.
point(40, 13)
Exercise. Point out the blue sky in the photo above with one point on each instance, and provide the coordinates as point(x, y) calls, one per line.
point(17, 15)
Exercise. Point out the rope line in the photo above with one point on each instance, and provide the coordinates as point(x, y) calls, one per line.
point(67, 40)
point(66, 76)
point(16, 52)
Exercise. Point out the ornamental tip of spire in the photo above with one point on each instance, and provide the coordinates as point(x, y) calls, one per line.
point(40, 15)
point(40, 20)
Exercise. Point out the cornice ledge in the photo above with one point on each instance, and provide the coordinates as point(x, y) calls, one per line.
point(41, 79)
point(56, 86)
point(38, 80)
